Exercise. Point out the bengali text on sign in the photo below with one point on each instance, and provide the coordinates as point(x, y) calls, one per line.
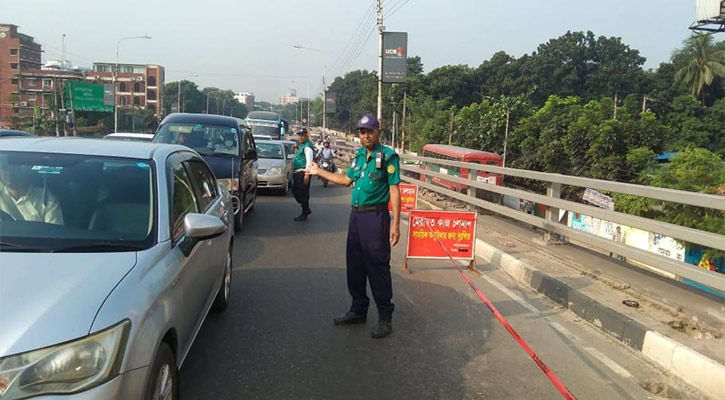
point(408, 197)
point(428, 230)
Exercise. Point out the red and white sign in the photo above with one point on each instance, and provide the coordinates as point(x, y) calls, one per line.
point(408, 197)
point(454, 230)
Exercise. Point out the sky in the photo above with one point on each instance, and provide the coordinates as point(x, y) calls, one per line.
point(247, 46)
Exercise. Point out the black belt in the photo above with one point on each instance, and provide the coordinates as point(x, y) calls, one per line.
point(374, 207)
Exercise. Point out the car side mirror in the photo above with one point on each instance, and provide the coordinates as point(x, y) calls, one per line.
point(251, 154)
point(198, 227)
point(290, 156)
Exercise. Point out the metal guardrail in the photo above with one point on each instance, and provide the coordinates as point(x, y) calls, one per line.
point(679, 270)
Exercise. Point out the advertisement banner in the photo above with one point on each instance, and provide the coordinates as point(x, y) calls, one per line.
point(598, 199)
point(81, 96)
point(408, 198)
point(330, 102)
point(456, 230)
point(395, 57)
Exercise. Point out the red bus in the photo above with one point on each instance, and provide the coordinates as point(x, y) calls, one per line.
point(461, 154)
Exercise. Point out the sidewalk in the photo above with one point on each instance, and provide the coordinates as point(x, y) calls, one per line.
point(678, 327)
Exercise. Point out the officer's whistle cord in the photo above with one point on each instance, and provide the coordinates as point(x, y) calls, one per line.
point(549, 373)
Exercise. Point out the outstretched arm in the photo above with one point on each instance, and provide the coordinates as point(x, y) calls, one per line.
point(339, 179)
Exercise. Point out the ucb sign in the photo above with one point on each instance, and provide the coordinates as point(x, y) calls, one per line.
point(395, 56)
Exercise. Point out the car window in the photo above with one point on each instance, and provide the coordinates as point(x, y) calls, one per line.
point(53, 201)
point(205, 139)
point(203, 183)
point(269, 150)
point(183, 199)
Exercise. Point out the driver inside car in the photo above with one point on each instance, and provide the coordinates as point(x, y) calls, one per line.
point(22, 200)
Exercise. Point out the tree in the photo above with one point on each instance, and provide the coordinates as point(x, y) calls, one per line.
point(704, 62)
point(695, 170)
point(582, 65)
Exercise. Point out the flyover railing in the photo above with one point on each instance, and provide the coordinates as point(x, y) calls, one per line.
point(556, 231)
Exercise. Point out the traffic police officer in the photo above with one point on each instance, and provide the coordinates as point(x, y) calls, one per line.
point(375, 176)
point(300, 180)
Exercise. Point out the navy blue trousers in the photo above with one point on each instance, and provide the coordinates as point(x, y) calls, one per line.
point(301, 191)
point(368, 258)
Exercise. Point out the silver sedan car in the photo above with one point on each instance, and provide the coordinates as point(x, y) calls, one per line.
point(274, 171)
point(111, 255)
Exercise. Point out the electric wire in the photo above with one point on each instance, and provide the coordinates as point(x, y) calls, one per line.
point(359, 31)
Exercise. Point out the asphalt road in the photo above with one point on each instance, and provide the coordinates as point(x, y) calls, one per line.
point(277, 340)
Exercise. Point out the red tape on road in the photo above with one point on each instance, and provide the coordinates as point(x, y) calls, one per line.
point(549, 374)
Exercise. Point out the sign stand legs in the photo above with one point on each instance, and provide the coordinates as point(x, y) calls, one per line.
point(405, 265)
point(472, 267)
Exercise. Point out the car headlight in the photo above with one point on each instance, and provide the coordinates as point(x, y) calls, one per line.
point(274, 171)
point(66, 368)
point(230, 184)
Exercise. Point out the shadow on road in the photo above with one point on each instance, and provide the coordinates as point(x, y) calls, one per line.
point(277, 341)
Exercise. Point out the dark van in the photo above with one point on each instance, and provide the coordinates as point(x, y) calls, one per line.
point(226, 144)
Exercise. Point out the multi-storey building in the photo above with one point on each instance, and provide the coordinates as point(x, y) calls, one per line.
point(18, 53)
point(137, 85)
point(25, 84)
point(247, 99)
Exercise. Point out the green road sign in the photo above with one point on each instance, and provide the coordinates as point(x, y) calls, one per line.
point(83, 96)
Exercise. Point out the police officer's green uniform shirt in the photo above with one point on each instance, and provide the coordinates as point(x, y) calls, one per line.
point(300, 161)
point(371, 185)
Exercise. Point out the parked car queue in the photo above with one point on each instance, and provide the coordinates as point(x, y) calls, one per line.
point(111, 233)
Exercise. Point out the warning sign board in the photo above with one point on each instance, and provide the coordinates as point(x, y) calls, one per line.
point(408, 197)
point(432, 234)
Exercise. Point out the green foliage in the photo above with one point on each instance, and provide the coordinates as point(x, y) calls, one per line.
point(703, 63)
point(695, 170)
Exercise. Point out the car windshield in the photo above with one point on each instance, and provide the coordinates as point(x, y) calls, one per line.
point(53, 202)
point(204, 139)
point(270, 130)
point(269, 150)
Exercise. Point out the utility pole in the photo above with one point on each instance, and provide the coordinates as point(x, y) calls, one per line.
point(381, 28)
point(324, 101)
point(395, 125)
point(450, 130)
point(402, 128)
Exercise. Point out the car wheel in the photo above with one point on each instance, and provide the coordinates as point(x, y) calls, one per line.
point(221, 301)
point(163, 383)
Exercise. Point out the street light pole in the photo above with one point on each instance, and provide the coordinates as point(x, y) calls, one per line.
point(115, 79)
point(207, 99)
point(324, 89)
point(506, 133)
point(178, 95)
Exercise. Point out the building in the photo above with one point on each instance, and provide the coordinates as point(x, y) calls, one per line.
point(291, 98)
point(18, 53)
point(25, 83)
point(247, 99)
point(137, 85)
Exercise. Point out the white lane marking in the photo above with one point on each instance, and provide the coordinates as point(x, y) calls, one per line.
point(611, 364)
point(618, 369)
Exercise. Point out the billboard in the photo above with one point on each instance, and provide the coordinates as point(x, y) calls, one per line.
point(707, 10)
point(81, 96)
point(395, 56)
point(330, 102)
point(435, 234)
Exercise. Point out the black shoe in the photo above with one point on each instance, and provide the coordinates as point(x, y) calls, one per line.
point(383, 328)
point(307, 212)
point(301, 217)
point(350, 318)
